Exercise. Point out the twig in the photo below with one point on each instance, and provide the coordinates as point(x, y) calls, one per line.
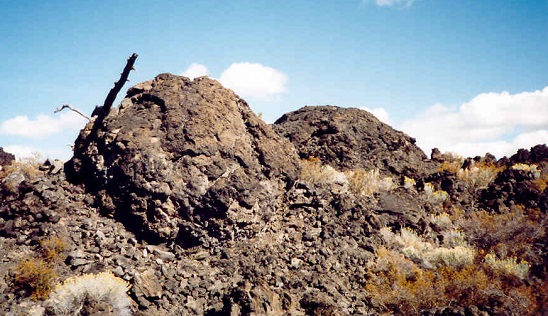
point(67, 106)
point(119, 84)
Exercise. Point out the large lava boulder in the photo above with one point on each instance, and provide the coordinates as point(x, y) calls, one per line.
point(185, 160)
point(5, 158)
point(349, 138)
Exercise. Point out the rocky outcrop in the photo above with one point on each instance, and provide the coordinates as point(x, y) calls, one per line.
point(206, 210)
point(348, 138)
point(181, 155)
point(5, 158)
point(185, 160)
point(523, 182)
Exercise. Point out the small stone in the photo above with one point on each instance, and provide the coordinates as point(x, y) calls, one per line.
point(164, 255)
point(118, 271)
point(201, 255)
point(148, 284)
point(296, 263)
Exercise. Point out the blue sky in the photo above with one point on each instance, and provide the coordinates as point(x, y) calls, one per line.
point(466, 76)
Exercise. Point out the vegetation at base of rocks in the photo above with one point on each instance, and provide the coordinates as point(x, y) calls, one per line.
point(541, 182)
point(434, 196)
point(478, 173)
point(408, 183)
point(482, 259)
point(364, 182)
point(36, 275)
point(426, 253)
point(51, 248)
point(402, 286)
point(510, 234)
point(359, 181)
point(415, 276)
point(508, 266)
point(27, 166)
point(451, 163)
point(90, 289)
point(313, 171)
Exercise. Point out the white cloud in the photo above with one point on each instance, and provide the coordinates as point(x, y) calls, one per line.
point(21, 151)
point(393, 3)
point(379, 113)
point(42, 126)
point(499, 123)
point(253, 80)
point(196, 70)
point(26, 151)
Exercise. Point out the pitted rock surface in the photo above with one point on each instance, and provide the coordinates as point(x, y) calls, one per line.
point(185, 160)
point(349, 138)
point(5, 157)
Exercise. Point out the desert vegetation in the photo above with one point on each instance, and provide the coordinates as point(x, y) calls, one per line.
point(165, 209)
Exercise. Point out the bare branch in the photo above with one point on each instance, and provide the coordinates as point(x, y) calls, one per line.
point(67, 106)
point(119, 84)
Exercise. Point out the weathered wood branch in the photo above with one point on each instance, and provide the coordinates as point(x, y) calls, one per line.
point(67, 106)
point(119, 84)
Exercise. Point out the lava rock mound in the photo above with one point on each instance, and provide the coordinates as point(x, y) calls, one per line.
point(348, 138)
point(184, 160)
point(5, 157)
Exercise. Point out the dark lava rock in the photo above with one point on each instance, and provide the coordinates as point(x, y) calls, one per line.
point(348, 138)
point(185, 160)
point(5, 158)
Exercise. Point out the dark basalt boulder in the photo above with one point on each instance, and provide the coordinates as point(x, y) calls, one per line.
point(348, 138)
point(185, 160)
point(5, 157)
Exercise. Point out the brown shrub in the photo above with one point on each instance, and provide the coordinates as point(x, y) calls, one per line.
point(511, 234)
point(541, 182)
point(51, 248)
point(400, 286)
point(36, 277)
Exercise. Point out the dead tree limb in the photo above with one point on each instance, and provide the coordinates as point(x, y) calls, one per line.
point(119, 84)
point(67, 106)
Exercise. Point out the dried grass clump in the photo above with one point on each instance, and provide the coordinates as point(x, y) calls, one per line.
point(313, 171)
point(441, 221)
point(525, 167)
point(508, 266)
point(413, 247)
point(401, 286)
point(397, 284)
point(70, 297)
point(434, 196)
point(367, 183)
point(35, 276)
point(452, 163)
point(408, 183)
point(541, 182)
point(51, 248)
point(28, 167)
point(480, 175)
point(455, 258)
point(511, 234)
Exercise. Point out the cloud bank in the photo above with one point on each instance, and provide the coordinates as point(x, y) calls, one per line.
point(499, 123)
point(42, 126)
point(253, 80)
point(379, 113)
point(249, 80)
point(195, 70)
